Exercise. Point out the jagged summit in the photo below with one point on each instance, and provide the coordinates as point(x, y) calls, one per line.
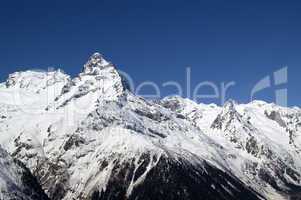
point(230, 104)
point(229, 110)
point(228, 115)
point(95, 63)
point(98, 81)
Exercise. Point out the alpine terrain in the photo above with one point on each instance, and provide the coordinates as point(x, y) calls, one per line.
point(90, 138)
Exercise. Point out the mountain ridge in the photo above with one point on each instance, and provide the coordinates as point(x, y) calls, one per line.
point(89, 137)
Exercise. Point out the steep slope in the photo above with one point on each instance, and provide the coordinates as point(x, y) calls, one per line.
point(260, 135)
point(16, 182)
point(115, 148)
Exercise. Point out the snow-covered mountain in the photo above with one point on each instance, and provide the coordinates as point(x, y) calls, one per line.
point(89, 137)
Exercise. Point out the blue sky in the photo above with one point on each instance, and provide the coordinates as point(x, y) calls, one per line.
point(221, 41)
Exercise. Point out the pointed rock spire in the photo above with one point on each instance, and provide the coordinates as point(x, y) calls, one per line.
point(229, 105)
point(95, 64)
point(227, 116)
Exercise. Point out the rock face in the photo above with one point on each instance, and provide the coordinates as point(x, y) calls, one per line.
point(16, 181)
point(95, 64)
point(90, 138)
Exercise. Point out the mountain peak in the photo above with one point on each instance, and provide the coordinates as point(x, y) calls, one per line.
point(227, 116)
point(230, 105)
point(95, 63)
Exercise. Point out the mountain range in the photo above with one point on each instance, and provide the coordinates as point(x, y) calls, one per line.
point(90, 138)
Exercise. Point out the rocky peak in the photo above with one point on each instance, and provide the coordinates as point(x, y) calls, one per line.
point(95, 63)
point(99, 80)
point(227, 116)
point(230, 105)
point(229, 110)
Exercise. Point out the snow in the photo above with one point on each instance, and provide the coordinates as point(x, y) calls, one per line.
point(84, 120)
point(12, 185)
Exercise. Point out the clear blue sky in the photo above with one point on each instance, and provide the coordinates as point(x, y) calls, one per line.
point(155, 40)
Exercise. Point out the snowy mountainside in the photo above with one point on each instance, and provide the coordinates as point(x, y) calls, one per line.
point(16, 182)
point(89, 137)
point(258, 131)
